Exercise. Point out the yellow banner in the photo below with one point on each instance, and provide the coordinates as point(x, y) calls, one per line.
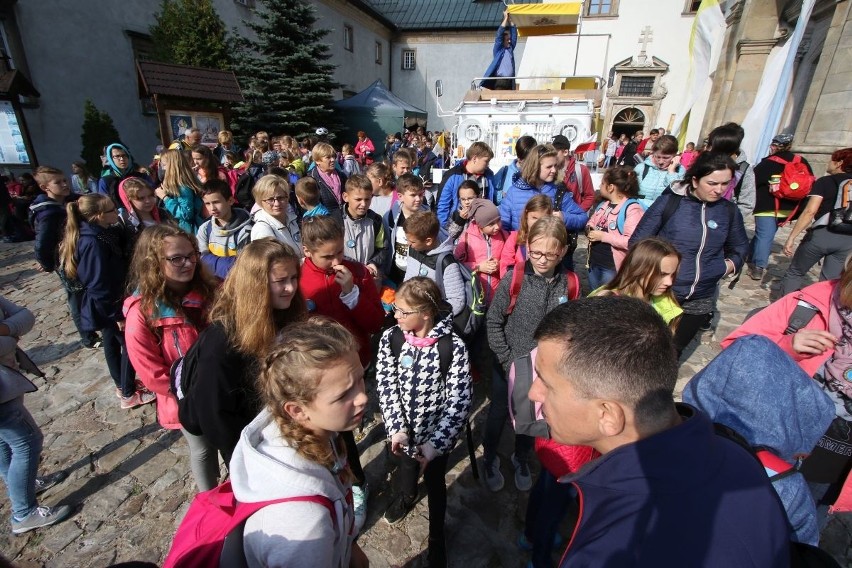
point(545, 19)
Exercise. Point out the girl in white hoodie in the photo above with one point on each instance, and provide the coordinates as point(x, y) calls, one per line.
point(312, 383)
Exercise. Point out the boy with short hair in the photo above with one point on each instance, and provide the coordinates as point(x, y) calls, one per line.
point(224, 234)
point(474, 167)
point(659, 170)
point(308, 198)
point(411, 200)
point(363, 230)
point(423, 232)
point(47, 217)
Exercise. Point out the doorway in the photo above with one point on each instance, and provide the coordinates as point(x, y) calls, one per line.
point(628, 121)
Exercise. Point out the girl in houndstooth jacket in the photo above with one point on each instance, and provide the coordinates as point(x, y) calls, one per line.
point(425, 398)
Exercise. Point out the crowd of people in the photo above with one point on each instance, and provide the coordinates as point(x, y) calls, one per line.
point(249, 293)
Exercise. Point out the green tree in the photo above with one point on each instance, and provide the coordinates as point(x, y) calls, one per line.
point(190, 32)
point(98, 131)
point(284, 73)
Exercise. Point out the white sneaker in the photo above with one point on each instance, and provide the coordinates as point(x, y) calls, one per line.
point(359, 503)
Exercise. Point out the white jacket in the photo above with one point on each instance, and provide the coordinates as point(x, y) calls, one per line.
point(265, 225)
point(296, 534)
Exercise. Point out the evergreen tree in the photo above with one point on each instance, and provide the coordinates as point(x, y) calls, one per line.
point(98, 131)
point(190, 32)
point(284, 73)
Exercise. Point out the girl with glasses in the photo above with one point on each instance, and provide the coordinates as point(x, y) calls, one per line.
point(93, 258)
point(275, 218)
point(181, 191)
point(172, 292)
point(424, 410)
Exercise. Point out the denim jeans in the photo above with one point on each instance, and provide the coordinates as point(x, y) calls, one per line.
point(20, 448)
point(498, 412)
point(761, 245)
point(120, 370)
point(87, 338)
point(598, 276)
point(548, 505)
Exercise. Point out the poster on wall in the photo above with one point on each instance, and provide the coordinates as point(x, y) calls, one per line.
point(208, 123)
point(13, 149)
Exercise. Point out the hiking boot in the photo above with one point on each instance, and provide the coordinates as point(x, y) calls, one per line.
point(523, 479)
point(359, 504)
point(40, 517)
point(44, 483)
point(398, 509)
point(493, 478)
point(756, 272)
point(138, 399)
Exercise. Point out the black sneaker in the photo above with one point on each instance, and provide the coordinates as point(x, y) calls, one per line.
point(708, 323)
point(42, 484)
point(398, 509)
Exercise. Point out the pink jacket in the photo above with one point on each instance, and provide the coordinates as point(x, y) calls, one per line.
point(616, 240)
point(154, 345)
point(772, 321)
point(473, 248)
point(511, 253)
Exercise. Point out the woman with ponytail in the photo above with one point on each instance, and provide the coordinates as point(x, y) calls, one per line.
point(93, 255)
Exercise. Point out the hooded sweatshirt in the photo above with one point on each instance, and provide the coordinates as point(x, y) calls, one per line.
point(219, 245)
point(743, 388)
point(452, 285)
point(296, 534)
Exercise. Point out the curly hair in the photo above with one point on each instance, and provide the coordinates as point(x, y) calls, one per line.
point(292, 372)
point(146, 274)
point(243, 306)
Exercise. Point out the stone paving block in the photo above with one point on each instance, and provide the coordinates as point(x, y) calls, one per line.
point(103, 504)
point(113, 456)
point(149, 464)
point(60, 536)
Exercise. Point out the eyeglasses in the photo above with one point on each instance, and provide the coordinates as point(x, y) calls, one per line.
point(181, 260)
point(119, 157)
point(537, 254)
point(399, 312)
point(274, 200)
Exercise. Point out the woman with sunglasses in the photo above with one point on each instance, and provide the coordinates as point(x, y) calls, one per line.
point(172, 292)
point(274, 217)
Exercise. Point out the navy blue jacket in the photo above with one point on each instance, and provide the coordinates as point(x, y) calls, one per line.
point(102, 269)
point(683, 497)
point(47, 217)
point(704, 233)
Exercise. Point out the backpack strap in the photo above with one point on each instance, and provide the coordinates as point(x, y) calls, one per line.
point(445, 349)
point(515, 285)
point(561, 190)
point(622, 213)
point(224, 496)
point(780, 160)
point(801, 316)
point(444, 260)
point(645, 169)
point(672, 203)
point(572, 291)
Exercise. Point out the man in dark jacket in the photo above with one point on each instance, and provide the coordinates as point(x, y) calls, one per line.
point(667, 490)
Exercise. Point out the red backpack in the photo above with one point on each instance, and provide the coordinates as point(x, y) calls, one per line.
point(212, 515)
point(796, 182)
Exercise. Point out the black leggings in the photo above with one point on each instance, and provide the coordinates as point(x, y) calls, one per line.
point(404, 482)
point(688, 328)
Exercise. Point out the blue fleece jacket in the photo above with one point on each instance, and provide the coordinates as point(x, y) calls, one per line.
point(756, 389)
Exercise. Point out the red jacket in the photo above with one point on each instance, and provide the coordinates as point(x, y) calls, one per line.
point(154, 345)
point(322, 295)
point(580, 186)
point(361, 149)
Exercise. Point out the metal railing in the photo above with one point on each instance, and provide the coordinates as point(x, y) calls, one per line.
point(599, 81)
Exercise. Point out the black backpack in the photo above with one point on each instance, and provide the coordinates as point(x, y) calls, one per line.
point(181, 379)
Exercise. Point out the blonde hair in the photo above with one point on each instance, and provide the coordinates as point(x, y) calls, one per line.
point(42, 174)
point(322, 150)
point(243, 306)
point(532, 163)
point(292, 372)
point(86, 209)
point(422, 294)
point(539, 203)
point(146, 275)
point(178, 173)
point(266, 186)
point(133, 185)
point(549, 228)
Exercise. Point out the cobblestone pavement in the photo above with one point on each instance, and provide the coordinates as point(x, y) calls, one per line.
point(129, 479)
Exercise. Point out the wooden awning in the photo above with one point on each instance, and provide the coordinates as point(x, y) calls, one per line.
point(13, 83)
point(187, 82)
point(545, 19)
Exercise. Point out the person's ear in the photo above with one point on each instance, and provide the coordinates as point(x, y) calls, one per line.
point(297, 412)
point(307, 251)
point(611, 418)
point(429, 241)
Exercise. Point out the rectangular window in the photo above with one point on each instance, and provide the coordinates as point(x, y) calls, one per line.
point(602, 8)
point(691, 6)
point(141, 45)
point(636, 86)
point(347, 37)
point(409, 59)
point(379, 52)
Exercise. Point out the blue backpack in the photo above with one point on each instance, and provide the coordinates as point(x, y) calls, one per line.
point(622, 214)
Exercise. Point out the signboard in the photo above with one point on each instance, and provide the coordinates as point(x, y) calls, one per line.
point(208, 123)
point(13, 149)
